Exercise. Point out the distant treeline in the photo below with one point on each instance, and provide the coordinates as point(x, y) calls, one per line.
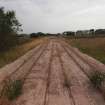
point(38, 34)
point(79, 33)
point(86, 33)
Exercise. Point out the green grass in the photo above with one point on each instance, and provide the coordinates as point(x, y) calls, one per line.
point(94, 47)
point(12, 89)
point(97, 79)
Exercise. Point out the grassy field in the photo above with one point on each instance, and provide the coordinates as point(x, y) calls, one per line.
point(14, 53)
point(94, 47)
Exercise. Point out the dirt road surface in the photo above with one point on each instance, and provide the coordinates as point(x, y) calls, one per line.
point(55, 73)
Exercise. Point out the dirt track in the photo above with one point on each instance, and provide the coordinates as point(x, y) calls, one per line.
point(48, 69)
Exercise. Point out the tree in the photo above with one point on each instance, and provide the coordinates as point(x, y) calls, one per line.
point(69, 33)
point(100, 32)
point(40, 34)
point(9, 26)
point(33, 35)
point(92, 31)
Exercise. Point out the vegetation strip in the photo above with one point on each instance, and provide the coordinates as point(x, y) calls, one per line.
point(91, 46)
point(12, 54)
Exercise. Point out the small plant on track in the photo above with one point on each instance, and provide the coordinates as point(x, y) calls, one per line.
point(97, 79)
point(12, 89)
point(66, 83)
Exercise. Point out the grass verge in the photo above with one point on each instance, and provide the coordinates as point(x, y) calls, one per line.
point(12, 54)
point(94, 47)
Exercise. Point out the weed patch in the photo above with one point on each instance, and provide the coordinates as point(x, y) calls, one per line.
point(12, 89)
point(97, 79)
point(66, 83)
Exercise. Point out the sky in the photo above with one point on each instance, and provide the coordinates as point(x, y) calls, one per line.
point(54, 16)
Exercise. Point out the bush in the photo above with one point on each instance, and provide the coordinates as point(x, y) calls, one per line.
point(97, 79)
point(12, 89)
point(34, 35)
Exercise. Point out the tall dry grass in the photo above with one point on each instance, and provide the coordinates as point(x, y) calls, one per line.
point(14, 53)
point(94, 47)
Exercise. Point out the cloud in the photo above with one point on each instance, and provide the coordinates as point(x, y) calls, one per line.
point(57, 15)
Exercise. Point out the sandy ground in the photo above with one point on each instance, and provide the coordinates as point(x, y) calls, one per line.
point(55, 73)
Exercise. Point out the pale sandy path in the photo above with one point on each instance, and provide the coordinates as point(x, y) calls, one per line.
point(46, 72)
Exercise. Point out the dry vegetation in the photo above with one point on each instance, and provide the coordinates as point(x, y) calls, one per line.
point(94, 47)
point(14, 53)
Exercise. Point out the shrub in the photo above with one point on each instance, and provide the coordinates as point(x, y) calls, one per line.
point(12, 89)
point(97, 79)
point(9, 26)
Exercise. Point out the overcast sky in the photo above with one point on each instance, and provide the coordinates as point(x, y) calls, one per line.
point(57, 15)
